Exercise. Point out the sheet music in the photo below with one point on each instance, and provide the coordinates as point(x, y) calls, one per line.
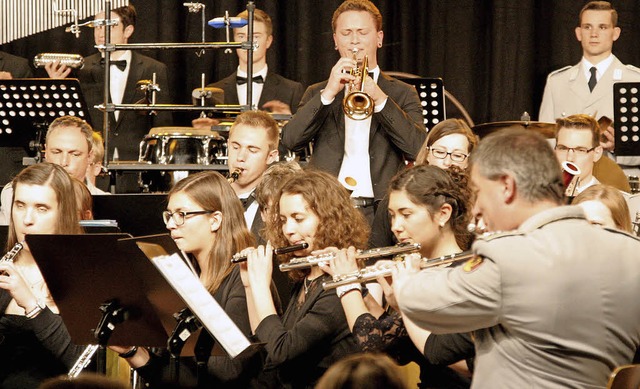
point(202, 304)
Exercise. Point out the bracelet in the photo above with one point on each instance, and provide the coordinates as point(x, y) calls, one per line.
point(344, 289)
point(40, 306)
point(129, 353)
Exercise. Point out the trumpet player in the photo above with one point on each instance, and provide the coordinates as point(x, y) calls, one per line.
point(35, 342)
point(429, 206)
point(552, 300)
point(371, 150)
point(312, 207)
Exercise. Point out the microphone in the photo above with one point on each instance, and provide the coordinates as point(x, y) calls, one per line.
point(221, 22)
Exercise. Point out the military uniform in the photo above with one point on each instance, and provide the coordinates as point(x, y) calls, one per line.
point(553, 305)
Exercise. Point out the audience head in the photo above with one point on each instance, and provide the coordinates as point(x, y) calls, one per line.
point(120, 33)
point(69, 144)
point(313, 207)
point(271, 181)
point(363, 371)
point(206, 219)
point(451, 138)
point(359, 17)
point(426, 204)
point(578, 141)
point(43, 202)
point(597, 30)
point(253, 145)
point(604, 205)
point(512, 170)
point(262, 34)
point(95, 164)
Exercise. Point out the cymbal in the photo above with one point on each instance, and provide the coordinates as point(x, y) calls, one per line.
point(545, 129)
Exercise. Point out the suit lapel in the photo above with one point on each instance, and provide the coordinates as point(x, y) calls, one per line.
point(338, 114)
point(579, 84)
point(230, 90)
point(268, 89)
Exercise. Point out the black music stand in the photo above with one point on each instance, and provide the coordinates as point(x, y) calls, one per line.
point(27, 107)
point(626, 106)
point(138, 214)
point(431, 94)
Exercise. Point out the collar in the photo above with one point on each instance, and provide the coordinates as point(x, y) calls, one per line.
point(263, 73)
point(551, 215)
point(376, 73)
point(601, 67)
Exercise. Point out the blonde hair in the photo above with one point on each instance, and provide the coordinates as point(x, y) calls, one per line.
point(612, 199)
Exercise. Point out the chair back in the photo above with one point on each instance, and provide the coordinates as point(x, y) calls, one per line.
point(625, 377)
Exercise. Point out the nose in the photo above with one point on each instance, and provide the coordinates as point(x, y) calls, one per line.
point(396, 225)
point(28, 219)
point(241, 155)
point(64, 159)
point(171, 224)
point(571, 155)
point(447, 162)
point(288, 228)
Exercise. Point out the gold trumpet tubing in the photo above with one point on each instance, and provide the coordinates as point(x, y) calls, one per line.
point(370, 273)
point(382, 252)
point(83, 361)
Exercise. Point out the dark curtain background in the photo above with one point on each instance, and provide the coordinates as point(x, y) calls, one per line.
point(493, 55)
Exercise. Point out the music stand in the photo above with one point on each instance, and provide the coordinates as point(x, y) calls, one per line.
point(626, 96)
point(431, 94)
point(138, 214)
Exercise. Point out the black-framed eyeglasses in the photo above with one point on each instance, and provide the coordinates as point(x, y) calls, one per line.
point(179, 216)
point(456, 156)
point(576, 150)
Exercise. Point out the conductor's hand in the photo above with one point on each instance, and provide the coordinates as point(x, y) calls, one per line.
point(204, 123)
point(339, 76)
point(56, 70)
point(12, 281)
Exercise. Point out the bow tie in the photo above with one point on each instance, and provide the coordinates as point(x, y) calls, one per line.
point(121, 64)
point(243, 80)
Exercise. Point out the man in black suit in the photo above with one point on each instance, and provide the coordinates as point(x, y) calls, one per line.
point(271, 92)
point(372, 150)
point(12, 67)
point(127, 128)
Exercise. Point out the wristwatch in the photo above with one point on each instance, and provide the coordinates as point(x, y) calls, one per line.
point(40, 306)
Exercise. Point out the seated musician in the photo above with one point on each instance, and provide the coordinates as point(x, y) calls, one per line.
point(270, 91)
point(205, 219)
point(69, 144)
point(313, 333)
point(429, 206)
point(552, 301)
point(35, 342)
point(12, 66)
point(449, 143)
point(370, 150)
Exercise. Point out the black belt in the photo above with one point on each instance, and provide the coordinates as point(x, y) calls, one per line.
point(362, 202)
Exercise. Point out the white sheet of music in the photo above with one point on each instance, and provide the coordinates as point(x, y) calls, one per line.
point(202, 304)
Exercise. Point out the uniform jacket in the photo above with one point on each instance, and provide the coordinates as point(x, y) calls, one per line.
point(553, 305)
point(17, 66)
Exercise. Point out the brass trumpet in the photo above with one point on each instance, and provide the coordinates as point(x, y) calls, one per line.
point(370, 273)
point(358, 105)
point(383, 252)
point(233, 176)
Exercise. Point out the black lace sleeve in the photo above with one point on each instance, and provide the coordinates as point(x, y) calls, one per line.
point(378, 334)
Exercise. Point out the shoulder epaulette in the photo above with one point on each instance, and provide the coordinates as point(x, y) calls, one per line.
point(553, 73)
point(633, 68)
point(489, 236)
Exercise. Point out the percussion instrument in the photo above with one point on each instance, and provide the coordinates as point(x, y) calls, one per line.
point(548, 130)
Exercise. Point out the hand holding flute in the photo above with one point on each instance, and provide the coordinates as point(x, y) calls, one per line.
point(239, 257)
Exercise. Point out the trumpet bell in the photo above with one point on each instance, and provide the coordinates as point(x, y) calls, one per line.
point(358, 105)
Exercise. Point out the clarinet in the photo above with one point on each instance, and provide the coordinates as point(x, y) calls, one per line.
point(82, 361)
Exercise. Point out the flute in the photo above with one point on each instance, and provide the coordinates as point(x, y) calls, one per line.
point(237, 258)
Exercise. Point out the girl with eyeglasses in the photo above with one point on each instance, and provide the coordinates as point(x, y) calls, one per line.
point(311, 207)
point(205, 219)
point(432, 207)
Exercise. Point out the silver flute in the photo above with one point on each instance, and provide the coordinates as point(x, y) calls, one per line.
point(382, 252)
point(11, 254)
point(370, 273)
point(83, 361)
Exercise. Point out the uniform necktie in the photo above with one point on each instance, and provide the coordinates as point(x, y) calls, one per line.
point(592, 80)
point(243, 80)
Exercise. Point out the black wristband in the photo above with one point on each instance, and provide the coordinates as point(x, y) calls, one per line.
point(130, 353)
point(365, 291)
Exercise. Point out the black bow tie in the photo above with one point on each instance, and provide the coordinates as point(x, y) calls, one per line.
point(243, 80)
point(121, 64)
point(246, 202)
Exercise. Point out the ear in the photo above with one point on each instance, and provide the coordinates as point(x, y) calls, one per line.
point(335, 42)
point(380, 38)
point(128, 31)
point(215, 220)
point(597, 153)
point(616, 33)
point(444, 214)
point(269, 41)
point(578, 31)
point(272, 156)
point(509, 188)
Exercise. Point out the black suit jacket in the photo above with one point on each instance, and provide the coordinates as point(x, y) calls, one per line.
point(17, 66)
point(397, 132)
point(275, 87)
point(126, 133)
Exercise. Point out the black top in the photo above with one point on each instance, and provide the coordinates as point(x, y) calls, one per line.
point(32, 350)
point(310, 337)
point(389, 335)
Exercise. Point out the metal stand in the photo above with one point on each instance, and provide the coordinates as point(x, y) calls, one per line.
point(186, 326)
